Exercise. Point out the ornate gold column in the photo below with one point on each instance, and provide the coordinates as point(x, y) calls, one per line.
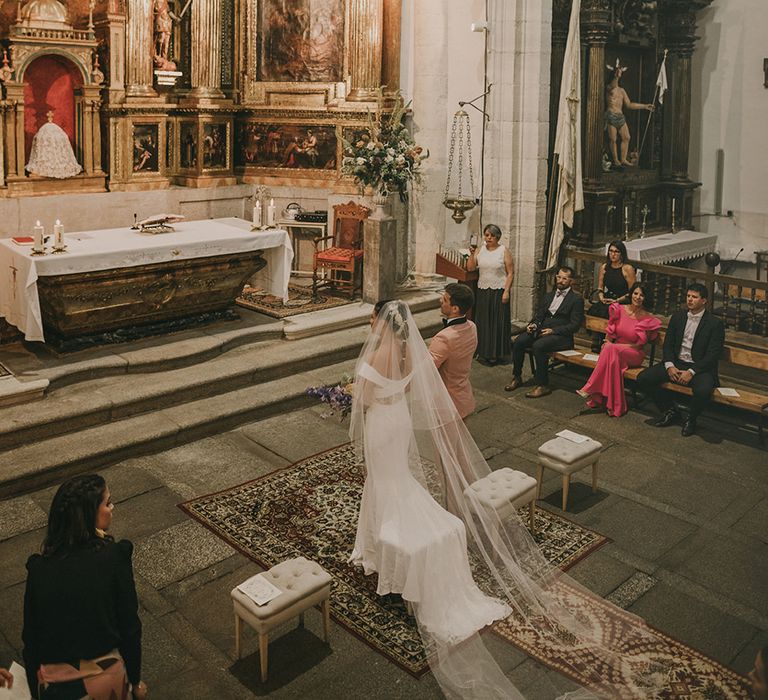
point(205, 29)
point(139, 49)
point(679, 17)
point(390, 60)
point(366, 29)
point(595, 24)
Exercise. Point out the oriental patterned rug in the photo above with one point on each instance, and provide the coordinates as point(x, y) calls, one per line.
point(299, 301)
point(310, 509)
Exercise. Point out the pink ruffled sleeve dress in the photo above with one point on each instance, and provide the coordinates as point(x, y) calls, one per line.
point(606, 383)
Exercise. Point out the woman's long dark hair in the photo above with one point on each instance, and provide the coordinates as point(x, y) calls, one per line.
point(72, 518)
point(619, 245)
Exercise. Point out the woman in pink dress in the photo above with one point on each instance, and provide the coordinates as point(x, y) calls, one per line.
point(629, 328)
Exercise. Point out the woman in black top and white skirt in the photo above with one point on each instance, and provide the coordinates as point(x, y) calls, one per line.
point(614, 280)
point(491, 316)
point(82, 632)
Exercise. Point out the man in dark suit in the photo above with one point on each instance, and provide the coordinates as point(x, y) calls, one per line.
point(692, 347)
point(551, 329)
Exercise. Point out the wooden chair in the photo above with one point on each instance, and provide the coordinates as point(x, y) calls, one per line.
point(343, 259)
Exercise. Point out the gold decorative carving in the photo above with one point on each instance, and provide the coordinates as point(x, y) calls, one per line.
point(206, 49)
point(365, 48)
point(138, 48)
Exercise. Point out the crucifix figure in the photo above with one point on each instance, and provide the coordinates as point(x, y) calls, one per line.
point(14, 270)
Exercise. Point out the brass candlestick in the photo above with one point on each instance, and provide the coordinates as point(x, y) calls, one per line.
point(674, 225)
point(644, 211)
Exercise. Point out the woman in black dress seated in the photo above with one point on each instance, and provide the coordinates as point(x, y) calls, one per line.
point(614, 280)
point(82, 633)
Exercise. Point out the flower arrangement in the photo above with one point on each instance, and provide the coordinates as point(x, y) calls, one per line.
point(384, 156)
point(338, 396)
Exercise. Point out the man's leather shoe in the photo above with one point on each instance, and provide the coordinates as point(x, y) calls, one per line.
point(689, 427)
point(538, 391)
point(670, 417)
point(516, 383)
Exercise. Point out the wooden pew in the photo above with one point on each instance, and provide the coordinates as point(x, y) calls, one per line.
point(747, 400)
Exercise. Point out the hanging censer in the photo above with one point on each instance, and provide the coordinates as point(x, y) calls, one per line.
point(458, 202)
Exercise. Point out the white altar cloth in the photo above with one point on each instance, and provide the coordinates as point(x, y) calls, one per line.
point(670, 247)
point(88, 251)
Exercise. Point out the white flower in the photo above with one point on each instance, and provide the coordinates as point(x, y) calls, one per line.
point(389, 158)
point(360, 161)
point(390, 151)
point(400, 160)
point(370, 145)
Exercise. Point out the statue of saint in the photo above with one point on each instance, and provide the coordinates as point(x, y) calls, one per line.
point(163, 26)
point(616, 99)
point(52, 154)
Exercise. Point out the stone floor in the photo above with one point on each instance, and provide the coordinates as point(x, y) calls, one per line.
point(687, 519)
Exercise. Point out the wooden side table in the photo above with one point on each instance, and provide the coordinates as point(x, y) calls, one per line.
point(306, 230)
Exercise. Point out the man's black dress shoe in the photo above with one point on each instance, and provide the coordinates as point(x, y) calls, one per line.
point(689, 427)
point(670, 417)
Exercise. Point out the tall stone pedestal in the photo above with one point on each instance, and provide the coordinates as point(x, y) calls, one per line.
point(379, 251)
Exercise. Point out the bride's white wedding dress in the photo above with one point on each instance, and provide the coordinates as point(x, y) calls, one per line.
point(416, 547)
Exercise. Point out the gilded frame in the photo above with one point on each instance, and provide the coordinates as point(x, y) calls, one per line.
point(287, 94)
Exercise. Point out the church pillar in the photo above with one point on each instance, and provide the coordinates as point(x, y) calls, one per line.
point(679, 22)
point(139, 49)
point(366, 22)
point(595, 24)
point(390, 60)
point(111, 31)
point(205, 31)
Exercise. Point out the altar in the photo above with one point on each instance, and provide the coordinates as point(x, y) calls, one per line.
point(668, 248)
point(114, 278)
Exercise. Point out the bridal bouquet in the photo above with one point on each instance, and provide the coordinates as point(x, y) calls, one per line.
point(338, 396)
point(384, 156)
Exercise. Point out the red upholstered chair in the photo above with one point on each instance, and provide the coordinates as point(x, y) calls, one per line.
point(343, 260)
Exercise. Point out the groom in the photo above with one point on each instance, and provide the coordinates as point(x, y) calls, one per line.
point(453, 348)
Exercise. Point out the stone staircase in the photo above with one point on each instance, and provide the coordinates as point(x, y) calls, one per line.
point(109, 404)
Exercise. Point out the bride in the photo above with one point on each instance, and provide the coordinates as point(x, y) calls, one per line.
point(418, 456)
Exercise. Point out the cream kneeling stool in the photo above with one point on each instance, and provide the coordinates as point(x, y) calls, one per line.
point(303, 584)
point(506, 490)
point(567, 457)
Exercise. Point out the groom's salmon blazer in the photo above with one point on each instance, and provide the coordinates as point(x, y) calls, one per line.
point(452, 349)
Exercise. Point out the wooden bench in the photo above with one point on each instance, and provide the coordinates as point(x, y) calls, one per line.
point(747, 400)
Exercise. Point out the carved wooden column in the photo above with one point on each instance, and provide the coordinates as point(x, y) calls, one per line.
point(390, 60)
point(366, 25)
point(14, 93)
point(679, 18)
point(139, 49)
point(111, 32)
point(561, 13)
point(205, 31)
point(595, 24)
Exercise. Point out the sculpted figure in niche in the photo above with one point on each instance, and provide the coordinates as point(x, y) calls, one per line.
point(616, 99)
point(51, 154)
point(163, 25)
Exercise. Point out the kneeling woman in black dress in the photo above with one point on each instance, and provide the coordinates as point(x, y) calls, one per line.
point(82, 633)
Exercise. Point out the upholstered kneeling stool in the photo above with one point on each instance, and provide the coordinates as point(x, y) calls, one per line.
point(303, 584)
point(567, 457)
point(506, 490)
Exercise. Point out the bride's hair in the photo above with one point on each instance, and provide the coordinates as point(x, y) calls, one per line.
point(395, 315)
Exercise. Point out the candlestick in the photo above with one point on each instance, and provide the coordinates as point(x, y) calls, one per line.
point(626, 222)
point(58, 238)
point(38, 247)
point(645, 211)
point(673, 215)
point(271, 213)
point(257, 214)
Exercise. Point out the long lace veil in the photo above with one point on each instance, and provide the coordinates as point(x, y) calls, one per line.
point(506, 562)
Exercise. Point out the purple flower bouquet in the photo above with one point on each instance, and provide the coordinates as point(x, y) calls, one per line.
point(338, 396)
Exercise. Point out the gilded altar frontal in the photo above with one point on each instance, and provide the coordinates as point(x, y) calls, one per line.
point(147, 94)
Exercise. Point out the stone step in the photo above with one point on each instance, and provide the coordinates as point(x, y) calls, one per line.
point(93, 402)
point(41, 462)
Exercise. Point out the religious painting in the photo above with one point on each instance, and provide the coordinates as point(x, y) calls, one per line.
point(214, 146)
point(145, 148)
point(287, 146)
point(302, 41)
point(188, 144)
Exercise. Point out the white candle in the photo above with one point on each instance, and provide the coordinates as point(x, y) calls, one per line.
point(271, 213)
point(626, 212)
point(673, 208)
point(58, 234)
point(39, 234)
point(257, 214)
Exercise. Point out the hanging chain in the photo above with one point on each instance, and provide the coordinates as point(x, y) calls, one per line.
point(450, 155)
point(469, 158)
